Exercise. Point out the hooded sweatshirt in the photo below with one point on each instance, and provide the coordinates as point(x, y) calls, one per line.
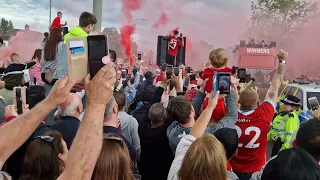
point(129, 129)
point(62, 69)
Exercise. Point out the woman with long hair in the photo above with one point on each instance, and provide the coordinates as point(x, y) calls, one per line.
point(52, 55)
point(35, 71)
point(45, 157)
point(114, 162)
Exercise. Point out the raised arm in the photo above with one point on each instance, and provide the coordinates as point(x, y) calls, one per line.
point(17, 131)
point(232, 114)
point(272, 94)
point(87, 144)
point(201, 124)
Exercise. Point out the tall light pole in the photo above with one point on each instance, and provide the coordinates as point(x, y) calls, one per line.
point(97, 11)
point(50, 13)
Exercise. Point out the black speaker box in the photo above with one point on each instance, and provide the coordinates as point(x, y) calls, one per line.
point(162, 50)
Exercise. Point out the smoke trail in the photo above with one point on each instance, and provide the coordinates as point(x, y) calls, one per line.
point(127, 30)
point(163, 20)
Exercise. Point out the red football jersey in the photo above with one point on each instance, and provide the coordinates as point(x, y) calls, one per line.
point(252, 128)
point(174, 44)
point(208, 73)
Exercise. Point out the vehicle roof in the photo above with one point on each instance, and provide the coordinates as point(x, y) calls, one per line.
point(312, 87)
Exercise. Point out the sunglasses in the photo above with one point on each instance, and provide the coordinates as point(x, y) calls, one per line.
point(45, 138)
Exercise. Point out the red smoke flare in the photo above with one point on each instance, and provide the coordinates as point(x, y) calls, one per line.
point(131, 5)
point(128, 6)
point(126, 41)
point(162, 21)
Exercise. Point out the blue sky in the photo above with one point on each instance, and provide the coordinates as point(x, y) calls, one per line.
point(216, 21)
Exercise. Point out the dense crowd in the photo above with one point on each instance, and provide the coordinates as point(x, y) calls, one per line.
point(149, 125)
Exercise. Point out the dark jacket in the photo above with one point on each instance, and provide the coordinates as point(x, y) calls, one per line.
point(110, 129)
point(68, 127)
point(156, 155)
point(14, 73)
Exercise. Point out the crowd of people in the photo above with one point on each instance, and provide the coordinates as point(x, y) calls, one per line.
point(143, 126)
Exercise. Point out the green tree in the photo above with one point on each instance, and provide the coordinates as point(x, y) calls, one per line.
point(274, 19)
point(5, 26)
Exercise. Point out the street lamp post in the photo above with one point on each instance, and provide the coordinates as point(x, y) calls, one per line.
point(50, 13)
point(97, 11)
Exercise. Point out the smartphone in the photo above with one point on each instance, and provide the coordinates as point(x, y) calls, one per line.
point(124, 74)
point(221, 82)
point(139, 57)
point(176, 71)
point(118, 75)
point(188, 69)
point(241, 74)
point(19, 98)
point(169, 71)
point(97, 49)
point(314, 104)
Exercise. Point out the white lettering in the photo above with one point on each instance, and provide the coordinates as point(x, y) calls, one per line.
point(258, 50)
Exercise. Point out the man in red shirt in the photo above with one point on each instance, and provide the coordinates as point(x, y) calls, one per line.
point(253, 125)
point(56, 23)
point(174, 44)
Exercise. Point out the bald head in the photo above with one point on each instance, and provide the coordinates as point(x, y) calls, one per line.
point(71, 107)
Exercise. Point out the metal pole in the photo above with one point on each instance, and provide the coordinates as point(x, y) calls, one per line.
point(50, 14)
point(97, 11)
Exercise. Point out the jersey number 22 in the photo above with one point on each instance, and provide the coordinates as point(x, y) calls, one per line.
point(252, 143)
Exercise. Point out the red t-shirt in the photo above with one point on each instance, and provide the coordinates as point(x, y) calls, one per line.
point(208, 73)
point(252, 128)
point(174, 44)
point(160, 77)
point(56, 23)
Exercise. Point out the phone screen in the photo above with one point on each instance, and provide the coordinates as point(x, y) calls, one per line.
point(97, 49)
point(169, 71)
point(124, 73)
point(176, 71)
point(188, 69)
point(241, 73)
point(19, 101)
point(139, 57)
point(224, 83)
point(314, 104)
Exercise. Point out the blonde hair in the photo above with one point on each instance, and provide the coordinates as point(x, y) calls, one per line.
point(249, 98)
point(205, 160)
point(114, 162)
point(15, 57)
point(219, 58)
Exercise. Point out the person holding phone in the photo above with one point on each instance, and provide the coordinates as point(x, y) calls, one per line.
point(174, 44)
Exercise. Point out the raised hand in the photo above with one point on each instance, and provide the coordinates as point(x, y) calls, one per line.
point(99, 90)
point(60, 91)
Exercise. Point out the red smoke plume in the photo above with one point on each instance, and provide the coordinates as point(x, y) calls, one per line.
point(126, 41)
point(128, 6)
point(163, 20)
